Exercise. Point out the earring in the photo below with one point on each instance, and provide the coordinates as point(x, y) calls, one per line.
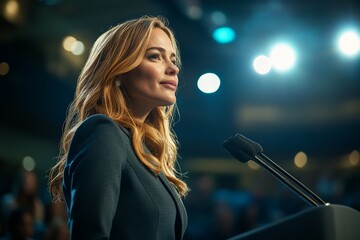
point(118, 83)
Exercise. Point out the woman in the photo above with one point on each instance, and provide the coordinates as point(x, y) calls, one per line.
point(116, 169)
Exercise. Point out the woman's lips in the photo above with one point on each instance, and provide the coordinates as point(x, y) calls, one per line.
point(169, 84)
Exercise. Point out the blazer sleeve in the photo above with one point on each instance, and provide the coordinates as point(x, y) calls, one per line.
point(92, 177)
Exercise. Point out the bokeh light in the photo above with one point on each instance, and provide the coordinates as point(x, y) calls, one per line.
point(4, 68)
point(253, 165)
point(77, 48)
point(68, 43)
point(194, 12)
point(262, 64)
point(28, 163)
point(282, 57)
point(349, 43)
point(218, 18)
point(354, 158)
point(208, 83)
point(224, 35)
point(71, 44)
point(11, 9)
point(300, 159)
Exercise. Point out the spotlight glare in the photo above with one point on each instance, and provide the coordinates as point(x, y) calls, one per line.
point(208, 83)
point(262, 64)
point(349, 43)
point(224, 35)
point(282, 57)
point(77, 48)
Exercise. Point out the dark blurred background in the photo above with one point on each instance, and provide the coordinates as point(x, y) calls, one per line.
point(309, 115)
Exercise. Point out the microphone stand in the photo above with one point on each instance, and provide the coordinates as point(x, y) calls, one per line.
point(288, 180)
point(244, 149)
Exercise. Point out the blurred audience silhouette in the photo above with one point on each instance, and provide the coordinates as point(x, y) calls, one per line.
point(24, 195)
point(218, 206)
point(23, 214)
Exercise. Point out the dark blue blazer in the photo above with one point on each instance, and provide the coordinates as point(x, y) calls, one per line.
point(110, 194)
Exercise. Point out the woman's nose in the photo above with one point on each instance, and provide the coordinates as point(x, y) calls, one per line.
point(172, 69)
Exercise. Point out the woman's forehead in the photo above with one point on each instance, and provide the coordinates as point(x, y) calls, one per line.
point(160, 39)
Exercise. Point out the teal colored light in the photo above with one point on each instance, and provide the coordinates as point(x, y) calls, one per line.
point(224, 35)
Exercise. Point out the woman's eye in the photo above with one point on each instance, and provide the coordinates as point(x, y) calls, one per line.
point(154, 56)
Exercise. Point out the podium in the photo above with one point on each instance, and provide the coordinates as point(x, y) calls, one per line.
point(327, 222)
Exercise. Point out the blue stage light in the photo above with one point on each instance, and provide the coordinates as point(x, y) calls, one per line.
point(224, 35)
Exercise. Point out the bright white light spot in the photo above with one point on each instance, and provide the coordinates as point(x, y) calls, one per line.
point(208, 83)
point(28, 163)
point(68, 43)
point(354, 158)
point(300, 159)
point(218, 18)
point(224, 35)
point(262, 64)
point(195, 12)
point(77, 48)
point(253, 165)
point(349, 43)
point(282, 57)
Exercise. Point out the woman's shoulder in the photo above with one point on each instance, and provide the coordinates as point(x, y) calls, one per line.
point(103, 124)
point(96, 119)
point(98, 129)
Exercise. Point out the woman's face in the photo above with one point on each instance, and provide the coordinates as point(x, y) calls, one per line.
point(154, 82)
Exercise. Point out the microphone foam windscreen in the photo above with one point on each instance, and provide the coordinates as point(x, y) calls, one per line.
point(242, 148)
point(235, 151)
point(255, 147)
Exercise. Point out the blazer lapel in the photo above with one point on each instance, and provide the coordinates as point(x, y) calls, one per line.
point(182, 223)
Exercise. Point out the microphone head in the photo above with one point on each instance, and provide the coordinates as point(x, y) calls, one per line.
point(254, 145)
point(238, 154)
point(242, 148)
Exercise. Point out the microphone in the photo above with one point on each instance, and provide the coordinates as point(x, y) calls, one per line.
point(245, 149)
point(242, 148)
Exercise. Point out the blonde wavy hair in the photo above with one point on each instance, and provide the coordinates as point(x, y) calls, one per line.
point(115, 52)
